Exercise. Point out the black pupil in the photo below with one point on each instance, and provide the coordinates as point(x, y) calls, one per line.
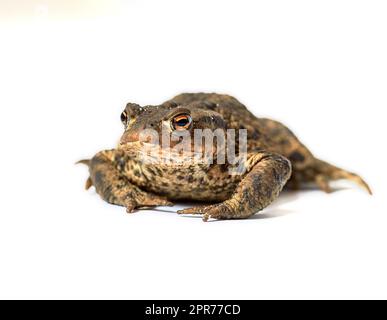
point(182, 122)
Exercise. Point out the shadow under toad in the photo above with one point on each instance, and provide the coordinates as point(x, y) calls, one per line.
point(274, 210)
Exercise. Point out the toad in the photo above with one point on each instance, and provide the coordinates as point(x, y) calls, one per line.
point(272, 158)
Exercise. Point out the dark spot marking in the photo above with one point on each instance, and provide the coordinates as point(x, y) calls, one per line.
point(120, 163)
point(223, 168)
point(284, 142)
point(210, 105)
point(99, 178)
point(255, 135)
point(108, 194)
point(152, 171)
point(137, 173)
point(296, 157)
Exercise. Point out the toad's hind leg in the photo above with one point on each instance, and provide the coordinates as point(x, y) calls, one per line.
point(321, 173)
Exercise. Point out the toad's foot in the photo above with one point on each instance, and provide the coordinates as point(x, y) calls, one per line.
point(216, 211)
point(325, 172)
point(144, 200)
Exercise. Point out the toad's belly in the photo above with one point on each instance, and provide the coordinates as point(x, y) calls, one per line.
point(210, 183)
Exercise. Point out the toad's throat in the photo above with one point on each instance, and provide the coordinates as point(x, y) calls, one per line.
point(148, 153)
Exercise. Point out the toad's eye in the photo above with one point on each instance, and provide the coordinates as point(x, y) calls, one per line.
point(181, 122)
point(124, 117)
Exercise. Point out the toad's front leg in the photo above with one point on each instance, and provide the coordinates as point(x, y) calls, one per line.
point(114, 187)
point(264, 179)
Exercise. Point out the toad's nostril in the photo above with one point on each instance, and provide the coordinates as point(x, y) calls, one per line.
point(129, 137)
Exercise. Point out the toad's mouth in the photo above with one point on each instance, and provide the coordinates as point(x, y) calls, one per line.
point(154, 153)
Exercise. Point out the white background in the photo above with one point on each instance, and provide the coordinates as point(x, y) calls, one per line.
point(67, 69)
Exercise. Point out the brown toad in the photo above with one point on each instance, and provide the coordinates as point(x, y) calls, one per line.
point(274, 158)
